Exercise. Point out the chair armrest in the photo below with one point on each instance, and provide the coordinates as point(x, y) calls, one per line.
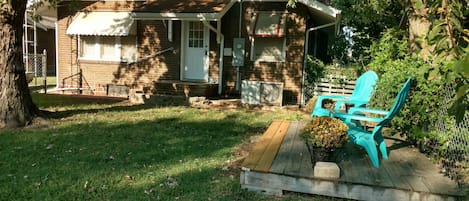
point(367, 110)
point(334, 96)
point(320, 99)
point(341, 102)
point(349, 117)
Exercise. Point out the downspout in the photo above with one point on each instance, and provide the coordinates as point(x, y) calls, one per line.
point(306, 54)
point(238, 72)
point(240, 17)
point(222, 47)
point(56, 55)
point(220, 70)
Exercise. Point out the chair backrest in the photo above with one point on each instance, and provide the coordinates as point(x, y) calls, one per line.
point(398, 103)
point(364, 86)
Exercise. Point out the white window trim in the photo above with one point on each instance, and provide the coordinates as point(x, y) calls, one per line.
point(284, 37)
point(117, 47)
point(170, 30)
point(97, 50)
point(284, 52)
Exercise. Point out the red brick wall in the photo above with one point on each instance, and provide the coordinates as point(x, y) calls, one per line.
point(152, 36)
point(288, 72)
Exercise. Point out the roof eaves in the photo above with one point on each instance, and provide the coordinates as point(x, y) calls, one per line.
point(314, 4)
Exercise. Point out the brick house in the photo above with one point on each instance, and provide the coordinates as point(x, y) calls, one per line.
point(192, 48)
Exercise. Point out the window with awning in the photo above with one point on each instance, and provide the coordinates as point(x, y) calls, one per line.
point(102, 24)
point(267, 34)
point(108, 48)
point(105, 36)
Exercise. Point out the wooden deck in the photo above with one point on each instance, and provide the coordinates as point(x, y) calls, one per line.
point(280, 162)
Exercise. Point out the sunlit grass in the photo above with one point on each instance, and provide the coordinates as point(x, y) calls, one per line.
point(109, 150)
point(39, 81)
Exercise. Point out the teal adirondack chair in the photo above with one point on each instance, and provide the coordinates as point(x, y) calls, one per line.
point(361, 95)
point(367, 139)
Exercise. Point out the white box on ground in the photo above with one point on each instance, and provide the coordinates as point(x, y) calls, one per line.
point(328, 170)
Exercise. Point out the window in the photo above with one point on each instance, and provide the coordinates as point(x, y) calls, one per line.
point(268, 41)
point(196, 35)
point(268, 49)
point(108, 48)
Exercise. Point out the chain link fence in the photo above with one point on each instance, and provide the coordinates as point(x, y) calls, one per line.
point(35, 67)
point(455, 157)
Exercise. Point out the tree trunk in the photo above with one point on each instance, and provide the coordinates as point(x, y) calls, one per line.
point(16, 106)
point(419, 25)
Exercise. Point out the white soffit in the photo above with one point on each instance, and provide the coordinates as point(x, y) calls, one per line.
point(329, 10)
point(101, 24)
point(313, 4)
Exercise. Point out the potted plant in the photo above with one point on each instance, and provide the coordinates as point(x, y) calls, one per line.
point(323, 135)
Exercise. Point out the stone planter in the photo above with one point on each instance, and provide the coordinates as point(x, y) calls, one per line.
point(319, 154)
point(323, 135)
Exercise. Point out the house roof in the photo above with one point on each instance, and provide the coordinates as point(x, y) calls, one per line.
point(215, 9)
point(317, 9)
point(180, 10)
point(192, 6)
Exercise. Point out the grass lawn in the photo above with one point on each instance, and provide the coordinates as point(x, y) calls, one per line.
point(37, 84)
point(108, 150)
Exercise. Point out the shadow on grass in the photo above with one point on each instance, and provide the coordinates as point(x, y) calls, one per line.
point(122, 160)
point(111, 104)
point(117, 108)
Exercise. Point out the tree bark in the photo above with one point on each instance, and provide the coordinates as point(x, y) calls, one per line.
point(419, 25)
point(16, 106)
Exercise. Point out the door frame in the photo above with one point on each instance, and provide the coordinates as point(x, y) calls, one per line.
point(184, 40)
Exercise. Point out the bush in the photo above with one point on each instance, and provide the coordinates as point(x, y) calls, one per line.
point(395, 65)
point(315, 69)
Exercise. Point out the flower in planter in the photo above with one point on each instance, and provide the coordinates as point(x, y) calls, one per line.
point(323, 135)
point(326, 132)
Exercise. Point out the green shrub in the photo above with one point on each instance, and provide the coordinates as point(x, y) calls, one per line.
point(315, 69)
point(395, 65)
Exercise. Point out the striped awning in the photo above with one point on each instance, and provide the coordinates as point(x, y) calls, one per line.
point(268, 24)
point(102, 24)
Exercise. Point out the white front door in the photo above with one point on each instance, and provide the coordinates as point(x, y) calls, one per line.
point(196, 43)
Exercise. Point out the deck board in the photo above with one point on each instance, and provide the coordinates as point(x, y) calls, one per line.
point(296, 153)
point(306, 167)
point(407, 175)
point(283, 155)
point(258, 150)
point(265, 162)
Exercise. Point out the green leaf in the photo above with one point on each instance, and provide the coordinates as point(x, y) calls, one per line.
point(442, 45)
point(462, 91)
point(435, 31)
point(462, 66)
point(418, 4)
point(456, 23)
point(458, 109)
point(456, 9)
